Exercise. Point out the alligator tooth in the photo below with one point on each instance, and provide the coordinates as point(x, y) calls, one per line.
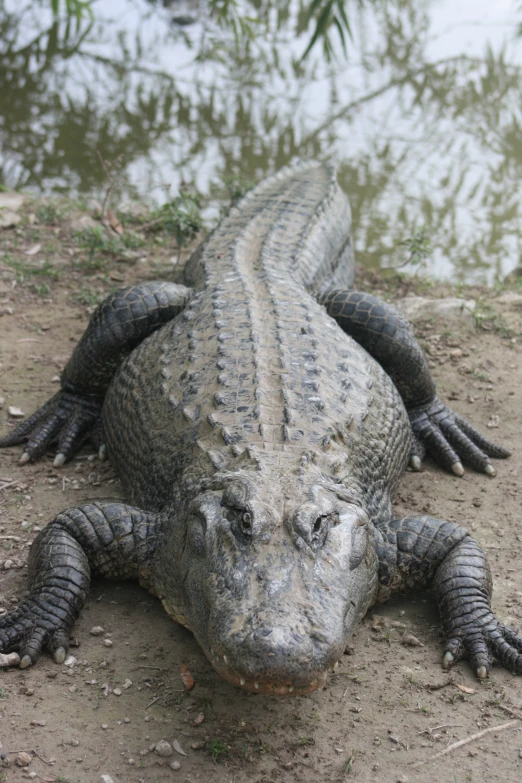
point(256, 686)
point(241, 681)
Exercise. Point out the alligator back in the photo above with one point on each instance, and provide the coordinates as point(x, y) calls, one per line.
point(254, 374)
point(301, 219)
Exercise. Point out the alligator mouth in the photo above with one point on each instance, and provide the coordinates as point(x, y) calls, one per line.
point(282, 686)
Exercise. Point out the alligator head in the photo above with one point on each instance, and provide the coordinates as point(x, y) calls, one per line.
point(275, 575)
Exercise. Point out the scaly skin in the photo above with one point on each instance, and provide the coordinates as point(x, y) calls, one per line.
point(265, 444)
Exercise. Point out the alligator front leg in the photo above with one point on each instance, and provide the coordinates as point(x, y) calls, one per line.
point(389, 338)
point(116, 327)
point(108, 539)
point(420, 552)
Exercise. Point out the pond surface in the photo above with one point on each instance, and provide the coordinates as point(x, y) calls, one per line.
point(424, 116)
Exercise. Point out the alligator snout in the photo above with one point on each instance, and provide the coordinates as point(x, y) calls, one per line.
point(275, 660)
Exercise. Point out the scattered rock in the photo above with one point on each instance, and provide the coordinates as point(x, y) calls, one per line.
point(450, 310)
point(117, 691)
point(15, 413)
point(493, 422)
point(70, 661)
point(176, 765)
point(96, 630)
point(163, 748)
point(79, 224)
point(106, 779)
point(23, 759)
point(108, 642)
point(12, 201)
point(199, 719)
point(8, 218)
point(127, 684)
point(29, 692)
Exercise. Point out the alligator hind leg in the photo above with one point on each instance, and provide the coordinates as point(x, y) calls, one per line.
point(108, 539)
point(388, 337)
point(116, 327)
point(420, 552)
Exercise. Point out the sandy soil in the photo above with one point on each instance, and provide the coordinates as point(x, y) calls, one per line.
point(387, 706)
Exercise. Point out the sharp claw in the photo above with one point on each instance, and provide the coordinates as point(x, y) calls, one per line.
point(457, 469)
point(490, 470)
point(59, 655)
point(24, 458)
point(482, 672)
point(415, 463)
point(59, 460)
point(26, 662)
point(102, 452)
point(447, 660)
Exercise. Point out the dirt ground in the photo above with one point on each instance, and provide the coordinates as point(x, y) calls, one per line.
point(386, 709)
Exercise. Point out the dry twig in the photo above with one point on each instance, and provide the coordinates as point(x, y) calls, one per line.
point(466, 741)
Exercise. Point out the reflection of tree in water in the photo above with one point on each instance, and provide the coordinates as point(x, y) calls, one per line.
point(409, 131)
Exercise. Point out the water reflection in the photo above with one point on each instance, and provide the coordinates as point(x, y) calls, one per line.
point(424, 117)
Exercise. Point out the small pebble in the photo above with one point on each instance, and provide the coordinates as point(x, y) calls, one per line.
point(16, 413)
point(106, 779)
point(32, 775)
point(126, 720)
point(75, 743)
point(163, 748)
point(175, 765)
point(29, 692)
point(70, 661)
point(96, 630)
point(108, 642)
point(117, 691)
point(23, 759)
point(105, 725)
point(127, 684)
point(8, 564)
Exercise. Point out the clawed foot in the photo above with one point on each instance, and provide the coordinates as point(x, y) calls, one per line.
point(450, 440)
point(483, 642)
point(34, 626)
point(67, 419)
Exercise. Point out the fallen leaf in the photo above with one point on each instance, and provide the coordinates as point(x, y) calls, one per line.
point(114, 222)
point(33, 250)
point(465, 689)
point(187, 678)
point(177, 747)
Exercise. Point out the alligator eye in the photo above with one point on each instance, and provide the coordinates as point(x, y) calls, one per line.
point(320, 529)
point(246, 523)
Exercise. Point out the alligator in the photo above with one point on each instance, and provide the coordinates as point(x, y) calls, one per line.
point(260, 418)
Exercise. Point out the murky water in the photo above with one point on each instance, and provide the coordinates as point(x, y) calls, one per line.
point(424, 118)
